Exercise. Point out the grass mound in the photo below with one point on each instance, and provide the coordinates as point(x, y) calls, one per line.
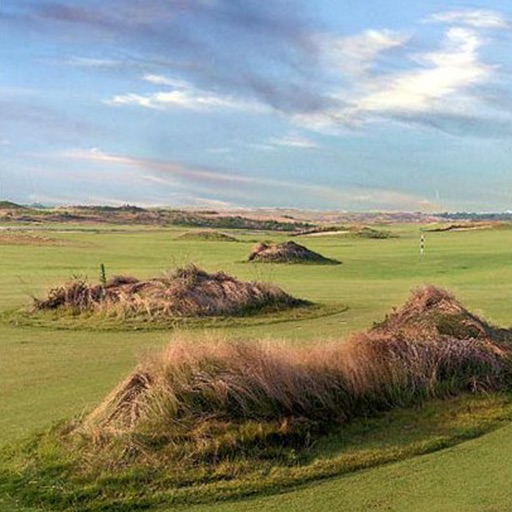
point(462, 226)
point(367, 232)
point(208, 236)
point(9, 205)
point(214, 419)
point(188, 292)
point(431, 313)
point(287, 252)
point(10, 238)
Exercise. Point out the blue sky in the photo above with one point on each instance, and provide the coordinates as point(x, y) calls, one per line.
point(353, 105)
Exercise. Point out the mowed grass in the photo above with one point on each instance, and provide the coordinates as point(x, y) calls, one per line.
point(49, 374)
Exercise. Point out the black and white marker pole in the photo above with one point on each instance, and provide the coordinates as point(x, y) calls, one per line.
point(422, 244)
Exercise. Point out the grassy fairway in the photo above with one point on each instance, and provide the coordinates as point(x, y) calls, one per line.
point(50, 374)
point(474, 476)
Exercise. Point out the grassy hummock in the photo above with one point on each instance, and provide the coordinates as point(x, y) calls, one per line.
point(209, 235)
point(215, 419)
point(288, 252)
point(186, 293)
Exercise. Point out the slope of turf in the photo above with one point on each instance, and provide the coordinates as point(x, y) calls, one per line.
point(473, 476)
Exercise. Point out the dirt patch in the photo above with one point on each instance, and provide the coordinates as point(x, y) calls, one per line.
point(288, 252)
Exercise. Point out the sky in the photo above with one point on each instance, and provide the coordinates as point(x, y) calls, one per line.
point(357, 105)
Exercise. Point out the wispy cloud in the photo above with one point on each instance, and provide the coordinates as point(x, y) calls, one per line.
point(48, 122)
point(236, 187)
point(357, 54)
point(239, 49)
point(444, 73)
point(294, 141)
point(89, 62)
point(182, 95)
point(169, 168)
point(445, 89)
point(476, 18)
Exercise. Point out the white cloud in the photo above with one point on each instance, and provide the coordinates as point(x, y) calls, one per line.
point(443, 74)
point(356, 54)
point(87, 62)
point(184, 95)
point(165, 80)
point(293, 141)
point(476, 18)
point(437, 88)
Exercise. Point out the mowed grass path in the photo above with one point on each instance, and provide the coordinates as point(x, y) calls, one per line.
point(51, 374)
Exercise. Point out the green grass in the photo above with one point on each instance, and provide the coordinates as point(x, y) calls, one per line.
point(48, 477)
point(50, 374)
point(473, 476)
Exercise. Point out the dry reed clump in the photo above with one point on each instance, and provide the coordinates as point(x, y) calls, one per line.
point(188, 292)
point(191, 384)
point(431, 312)
point(287, 252)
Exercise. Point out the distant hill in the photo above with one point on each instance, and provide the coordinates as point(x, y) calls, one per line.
point(8, 205)
point(472, 216)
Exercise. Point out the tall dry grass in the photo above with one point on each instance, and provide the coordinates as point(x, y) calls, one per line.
point(187, 292)
point(193, 382)
point(213, 399)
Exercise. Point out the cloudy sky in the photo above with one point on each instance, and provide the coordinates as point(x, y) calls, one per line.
point(353, 105)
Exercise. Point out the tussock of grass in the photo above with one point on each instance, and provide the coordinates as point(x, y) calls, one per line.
point(431, 312)
point(287, 252)
point(385, 367)
point(188, 292)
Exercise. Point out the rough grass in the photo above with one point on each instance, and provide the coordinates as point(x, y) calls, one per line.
point(287, 252)
point(367, 232)
point(188, 292)
point(208, 236)
point(216, 419)
point(398, 362)
point(7, 238)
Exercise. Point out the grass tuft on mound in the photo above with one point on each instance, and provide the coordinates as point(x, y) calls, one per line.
point(288, 252)
point(188, 292)
point(207, 236)
point(212, 419)
point(432, 312)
